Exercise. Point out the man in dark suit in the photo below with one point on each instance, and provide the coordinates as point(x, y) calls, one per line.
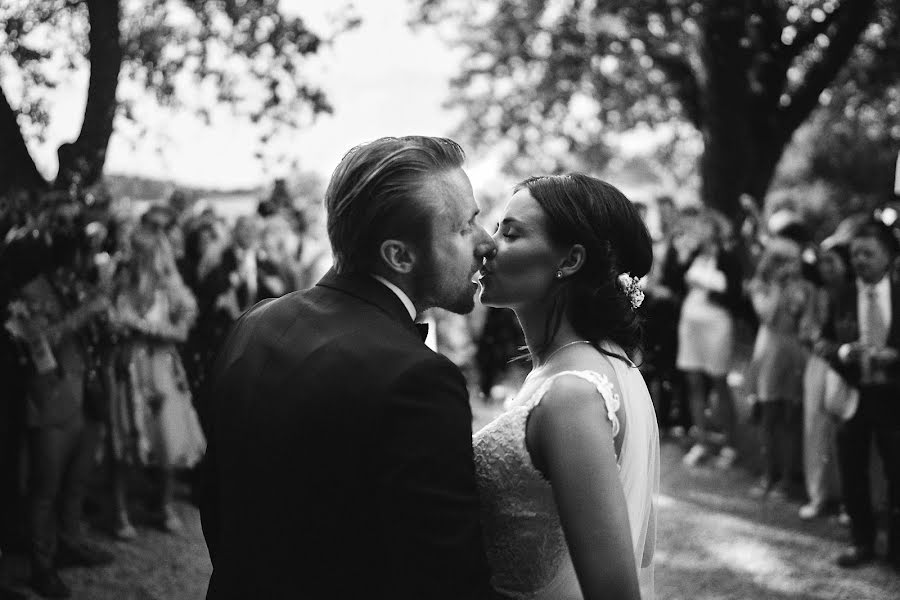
point(241, 278)
point(340, 461)
point(863, 335)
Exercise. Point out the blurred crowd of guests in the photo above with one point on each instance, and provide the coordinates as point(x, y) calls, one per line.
point(762, 352)
point(759, 338)
point(762, 349)
point(112, 319)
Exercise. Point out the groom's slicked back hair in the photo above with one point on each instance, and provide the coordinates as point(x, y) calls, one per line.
point(379, 192)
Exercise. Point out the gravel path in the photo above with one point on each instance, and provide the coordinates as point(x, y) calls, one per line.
point(714, 543)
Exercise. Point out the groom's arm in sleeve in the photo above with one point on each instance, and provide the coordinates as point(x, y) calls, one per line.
point(427, 496)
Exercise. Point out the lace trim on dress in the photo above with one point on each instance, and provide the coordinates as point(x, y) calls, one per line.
point(601, 382)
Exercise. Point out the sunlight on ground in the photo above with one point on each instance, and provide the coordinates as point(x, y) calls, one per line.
point(780, 562)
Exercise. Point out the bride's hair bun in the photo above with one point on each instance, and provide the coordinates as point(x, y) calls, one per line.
point(585, 210)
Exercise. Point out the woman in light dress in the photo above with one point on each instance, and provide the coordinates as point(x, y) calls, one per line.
point(780, 296)
point(568, 475)
point(819, 443)
point(152, 420)
point(706, 335)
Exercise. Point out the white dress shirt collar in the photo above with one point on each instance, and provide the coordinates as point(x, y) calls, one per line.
point(410, 307)
point(882, 289)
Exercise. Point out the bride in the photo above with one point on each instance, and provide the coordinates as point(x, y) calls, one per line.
point(568, 475)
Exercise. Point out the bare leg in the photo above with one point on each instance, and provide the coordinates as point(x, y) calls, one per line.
point(171, 521)
point(696, 392)
point(696, 388)
point(725, 410)
point(123, 527)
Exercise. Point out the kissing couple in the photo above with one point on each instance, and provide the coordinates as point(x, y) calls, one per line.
point(341, 462)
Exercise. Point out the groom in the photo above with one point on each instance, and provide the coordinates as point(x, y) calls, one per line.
point(340, 458)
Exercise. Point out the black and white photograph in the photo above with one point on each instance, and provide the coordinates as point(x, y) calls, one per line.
point(450, 299)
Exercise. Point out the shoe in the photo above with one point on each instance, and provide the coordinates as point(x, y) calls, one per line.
point(125, 532)
point(778, 493)
point(810, 511)
point(855, 556)
point(695, 455)
point(761, 489)
point(48, 584)
point(727, 458)
point(82, 555)
point(171, 522)
point(715, 438)
point(843, 518)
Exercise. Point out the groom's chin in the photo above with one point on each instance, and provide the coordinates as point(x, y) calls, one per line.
point(462, 305)
point(465, 306)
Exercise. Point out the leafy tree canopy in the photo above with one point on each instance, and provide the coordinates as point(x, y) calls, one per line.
point(187, 54)
point(551, 75)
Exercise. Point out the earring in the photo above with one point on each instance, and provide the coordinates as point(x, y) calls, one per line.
point(559, 274)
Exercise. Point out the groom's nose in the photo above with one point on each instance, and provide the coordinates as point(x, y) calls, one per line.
point(485, 248)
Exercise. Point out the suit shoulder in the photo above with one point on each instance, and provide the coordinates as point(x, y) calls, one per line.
point(432, 374)
point(426, 359)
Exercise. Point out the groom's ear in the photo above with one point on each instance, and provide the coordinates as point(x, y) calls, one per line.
point(398, 256)
point(573, 260)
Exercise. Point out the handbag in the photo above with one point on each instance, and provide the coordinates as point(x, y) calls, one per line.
point(841, 398)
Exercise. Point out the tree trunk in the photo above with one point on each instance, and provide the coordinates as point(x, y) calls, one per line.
point(762, 171)
point(17, 168)
point(726, 134)
point(81, 162)
point(739, 158)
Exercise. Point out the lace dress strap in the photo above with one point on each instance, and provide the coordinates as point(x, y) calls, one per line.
point(600, 380)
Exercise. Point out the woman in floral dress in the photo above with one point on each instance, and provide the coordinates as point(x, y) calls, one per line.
point(152, 419)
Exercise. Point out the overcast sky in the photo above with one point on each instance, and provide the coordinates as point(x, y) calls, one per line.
point(382, 79)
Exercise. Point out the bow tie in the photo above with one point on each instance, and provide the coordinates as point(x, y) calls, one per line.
point(422, 328)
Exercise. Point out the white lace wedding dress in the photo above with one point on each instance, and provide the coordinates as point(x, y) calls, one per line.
point(525, 544)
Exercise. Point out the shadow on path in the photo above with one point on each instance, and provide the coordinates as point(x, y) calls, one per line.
point(717, 543)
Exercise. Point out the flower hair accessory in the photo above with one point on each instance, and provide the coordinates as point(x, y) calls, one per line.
point(631, 286)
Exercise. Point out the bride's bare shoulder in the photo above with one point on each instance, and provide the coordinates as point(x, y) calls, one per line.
point(572, 396)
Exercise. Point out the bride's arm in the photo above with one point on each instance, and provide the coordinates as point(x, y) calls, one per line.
point(571, 441)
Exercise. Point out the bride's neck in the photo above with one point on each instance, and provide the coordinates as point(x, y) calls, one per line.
point(534, 320)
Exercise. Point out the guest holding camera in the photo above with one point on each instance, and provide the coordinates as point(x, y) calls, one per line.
point(780, 298)
point(819, 443)
point(48, 316)
point(706, 334)
point(864, 346)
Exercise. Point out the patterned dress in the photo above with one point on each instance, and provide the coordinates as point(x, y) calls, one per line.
point(151, 416)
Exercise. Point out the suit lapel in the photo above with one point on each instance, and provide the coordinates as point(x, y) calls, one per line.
point(847, 317)
point(893, 339)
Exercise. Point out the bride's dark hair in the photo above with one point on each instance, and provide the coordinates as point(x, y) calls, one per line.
point(584, 210)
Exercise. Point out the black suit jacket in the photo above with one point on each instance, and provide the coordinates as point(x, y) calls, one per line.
point(340, 460)
point(842, 327)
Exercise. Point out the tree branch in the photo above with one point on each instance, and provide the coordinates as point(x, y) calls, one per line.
point(17, 168)
point(81, 162)
point(767, 72)
point(685, 81)
point(820, 76)
point(808, 34)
